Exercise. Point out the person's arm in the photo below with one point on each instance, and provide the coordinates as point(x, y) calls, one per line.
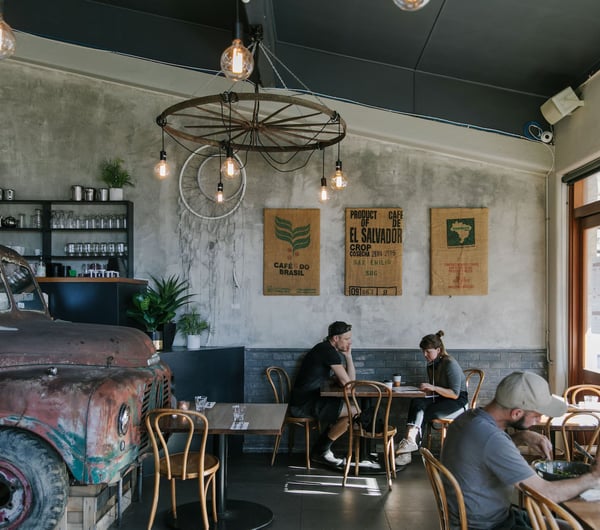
point(454, 379)
point(343, 375)
point(563, 490)
point(537, 442)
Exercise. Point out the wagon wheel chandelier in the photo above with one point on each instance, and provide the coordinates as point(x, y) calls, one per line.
point(278, 124)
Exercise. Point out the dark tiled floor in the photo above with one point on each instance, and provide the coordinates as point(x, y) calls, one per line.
point(311, 500)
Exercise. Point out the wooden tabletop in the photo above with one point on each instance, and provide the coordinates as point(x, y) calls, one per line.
point(262, 418)
point(332, 389)
point(587, 512)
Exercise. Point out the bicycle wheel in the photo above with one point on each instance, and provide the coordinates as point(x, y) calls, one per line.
point(198, 181)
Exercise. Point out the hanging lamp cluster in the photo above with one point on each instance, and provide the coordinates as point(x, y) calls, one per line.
point(278, 124)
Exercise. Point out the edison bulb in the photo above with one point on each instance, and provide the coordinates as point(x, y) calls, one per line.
point(338, 180)
point(323, 193)
point(230, 169)
point(7, 40)
point(220, 192)
point(411, 5)
point(237, 62)
point(162, 169)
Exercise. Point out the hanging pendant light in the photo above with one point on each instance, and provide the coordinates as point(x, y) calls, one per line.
point(162, 169)
point(7, 37)
point(411, 5)
point(338, 181)
point(323, 192)
point(237, 61)
point(219, 197)
point(230, 169)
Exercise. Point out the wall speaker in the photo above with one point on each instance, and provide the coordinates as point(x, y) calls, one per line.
point(559, 106)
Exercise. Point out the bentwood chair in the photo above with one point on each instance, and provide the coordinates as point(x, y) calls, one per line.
point(575, 393)
point(442, 480)
point(582, 426)
point(282, 387)
point(474, 378)
point(543, 512)
point(182, 465)
point(378, 429)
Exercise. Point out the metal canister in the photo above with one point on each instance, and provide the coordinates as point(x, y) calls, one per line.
point(102, 194)
point(9, 195)
point(76, 193)
point(1, 194)
point(88, 194)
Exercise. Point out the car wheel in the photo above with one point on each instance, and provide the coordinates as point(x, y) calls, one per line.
point(34, 485)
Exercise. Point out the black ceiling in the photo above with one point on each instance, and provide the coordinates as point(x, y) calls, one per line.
point(484, 63)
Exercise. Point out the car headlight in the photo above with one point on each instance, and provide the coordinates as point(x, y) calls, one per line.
point(124, 419)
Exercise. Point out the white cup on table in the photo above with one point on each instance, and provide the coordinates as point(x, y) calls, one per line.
point(397, 380)
point(200, 402)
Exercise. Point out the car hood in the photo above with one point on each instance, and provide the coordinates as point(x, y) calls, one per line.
point(55, 342)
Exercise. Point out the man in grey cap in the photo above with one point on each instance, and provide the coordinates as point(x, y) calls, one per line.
point(485, 459)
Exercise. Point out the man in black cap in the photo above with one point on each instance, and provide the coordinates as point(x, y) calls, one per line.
point(331, 356)
point(488, 465)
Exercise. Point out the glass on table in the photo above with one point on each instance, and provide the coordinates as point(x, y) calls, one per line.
point(239, 413)
point(201, 403)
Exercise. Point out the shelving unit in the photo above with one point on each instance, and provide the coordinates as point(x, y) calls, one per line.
point(51, 242)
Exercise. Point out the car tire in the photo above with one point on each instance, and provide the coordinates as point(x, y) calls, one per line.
point(34, 484)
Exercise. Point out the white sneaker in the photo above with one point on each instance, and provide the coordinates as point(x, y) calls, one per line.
point(329, 458)
point(406, 446)
point(403, 459)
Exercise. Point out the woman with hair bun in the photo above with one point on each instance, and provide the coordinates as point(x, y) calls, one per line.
point(447, 394)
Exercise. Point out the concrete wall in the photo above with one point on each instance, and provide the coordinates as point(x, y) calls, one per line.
point(58, 125)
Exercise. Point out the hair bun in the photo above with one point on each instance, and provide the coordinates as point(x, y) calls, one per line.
point(440, 333)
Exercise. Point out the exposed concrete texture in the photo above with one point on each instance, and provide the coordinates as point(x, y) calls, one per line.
point(58, 126)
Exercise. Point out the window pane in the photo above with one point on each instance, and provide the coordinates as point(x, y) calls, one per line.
point(587, 190)
point(591, 294)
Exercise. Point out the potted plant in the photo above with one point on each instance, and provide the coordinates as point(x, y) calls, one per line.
point(115, 176)
point(155, 308)
point(192, 325)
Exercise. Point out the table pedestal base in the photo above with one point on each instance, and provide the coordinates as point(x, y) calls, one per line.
point(239, 515)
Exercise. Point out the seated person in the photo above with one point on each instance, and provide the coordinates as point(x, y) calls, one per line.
point(487, 464)
point(448, 386)
point(318, 365)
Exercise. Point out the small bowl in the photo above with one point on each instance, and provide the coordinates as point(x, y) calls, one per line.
point(560, 469)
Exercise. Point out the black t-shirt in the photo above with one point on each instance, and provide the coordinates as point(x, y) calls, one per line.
point(315, 368)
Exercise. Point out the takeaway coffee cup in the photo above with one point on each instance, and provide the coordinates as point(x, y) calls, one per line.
point(397, 379)
point(388, 383)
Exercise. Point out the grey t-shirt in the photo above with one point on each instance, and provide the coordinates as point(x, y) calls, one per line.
point(486, 464)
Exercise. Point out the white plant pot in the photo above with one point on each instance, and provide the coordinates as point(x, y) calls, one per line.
point(193, 342)
point(115, 194)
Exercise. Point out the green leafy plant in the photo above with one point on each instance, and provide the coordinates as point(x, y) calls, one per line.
point(158, 305)
point(114, 175)
point(191, 323)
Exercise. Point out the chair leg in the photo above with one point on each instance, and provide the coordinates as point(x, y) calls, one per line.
point(307, 442)
point(348, 461)
point(356, 455)
point(276, 448)
point(202, 494)
point(173, 499)
point(154, 501)
point(214, 498)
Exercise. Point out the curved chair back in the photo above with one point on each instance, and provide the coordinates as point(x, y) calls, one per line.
point(442, 479)
point(474, 376)
point(474, 379)
point(185, 464)
point(575, 393)
point(543, 512)
point(280, 383)
point(585, 423)
point(379, 400)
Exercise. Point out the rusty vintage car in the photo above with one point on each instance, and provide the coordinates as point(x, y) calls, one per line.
point(73, 398)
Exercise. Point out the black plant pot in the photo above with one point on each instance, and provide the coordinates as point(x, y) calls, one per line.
point(157, 339)
point(169, 329)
